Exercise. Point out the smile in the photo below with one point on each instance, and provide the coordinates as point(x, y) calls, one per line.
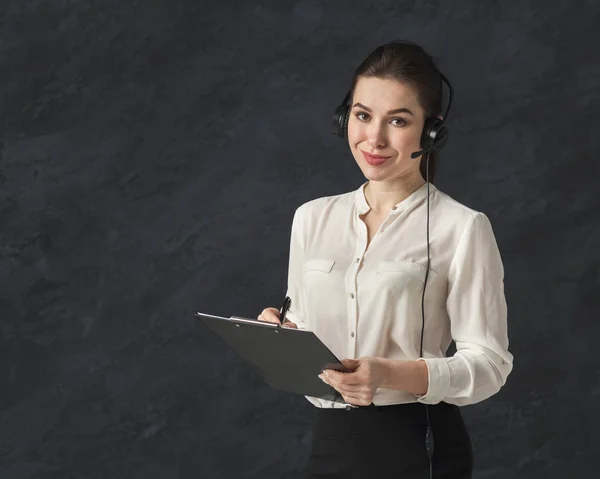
point(375, 160)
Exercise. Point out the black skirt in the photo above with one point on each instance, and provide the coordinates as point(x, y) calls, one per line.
point(382, 442)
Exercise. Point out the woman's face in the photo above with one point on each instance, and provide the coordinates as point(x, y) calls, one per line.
point(373, 129)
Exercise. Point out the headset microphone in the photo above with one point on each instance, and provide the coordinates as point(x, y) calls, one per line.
point(416, 154)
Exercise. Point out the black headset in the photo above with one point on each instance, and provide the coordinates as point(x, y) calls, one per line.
point(433, 137)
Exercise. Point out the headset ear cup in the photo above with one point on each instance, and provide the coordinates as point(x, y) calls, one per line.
point(435, 134)
point(346, 119)
point(340, 121)
point(441, 137)
point(341, 116)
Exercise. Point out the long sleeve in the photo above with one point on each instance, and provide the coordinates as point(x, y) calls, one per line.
point(477, 310)
point(296, 260)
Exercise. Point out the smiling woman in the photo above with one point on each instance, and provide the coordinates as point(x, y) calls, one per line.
point(362, 277)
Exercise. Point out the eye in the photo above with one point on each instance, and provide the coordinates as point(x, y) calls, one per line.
point(401, 120)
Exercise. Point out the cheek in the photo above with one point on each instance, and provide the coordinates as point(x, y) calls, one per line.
point(415, 135)
point(409, 137)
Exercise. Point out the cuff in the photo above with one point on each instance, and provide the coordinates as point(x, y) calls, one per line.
point(438, 377)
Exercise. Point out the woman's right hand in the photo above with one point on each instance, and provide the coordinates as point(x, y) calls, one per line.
point(271, 315)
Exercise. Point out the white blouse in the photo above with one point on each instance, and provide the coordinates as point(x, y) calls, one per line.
point(363, 301)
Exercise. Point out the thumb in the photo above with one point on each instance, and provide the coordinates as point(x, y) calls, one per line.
point(350, 363)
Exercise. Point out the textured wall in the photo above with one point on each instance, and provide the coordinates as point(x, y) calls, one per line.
point(152, 156)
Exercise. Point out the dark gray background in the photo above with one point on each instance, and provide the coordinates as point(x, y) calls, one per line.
point(152, 156)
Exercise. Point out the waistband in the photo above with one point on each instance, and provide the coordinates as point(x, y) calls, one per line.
point(347, 421)
point(409, 406)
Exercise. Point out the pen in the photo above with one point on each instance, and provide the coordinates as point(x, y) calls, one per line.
point(286, 305)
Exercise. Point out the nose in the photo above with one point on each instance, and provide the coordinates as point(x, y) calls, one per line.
point(376, 135)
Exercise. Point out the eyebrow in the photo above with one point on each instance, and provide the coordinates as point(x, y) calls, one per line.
point(397, 110)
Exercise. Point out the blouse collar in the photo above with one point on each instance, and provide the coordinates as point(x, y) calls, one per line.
point(416, 196)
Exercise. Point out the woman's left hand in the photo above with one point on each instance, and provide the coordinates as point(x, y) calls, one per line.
point(358, 386)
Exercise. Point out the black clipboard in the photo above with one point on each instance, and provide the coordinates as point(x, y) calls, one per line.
point(287, 359)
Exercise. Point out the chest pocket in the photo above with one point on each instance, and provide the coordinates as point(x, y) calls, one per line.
point(403, 274)
point(323, 265)
point(321, 285)
point(319, 277)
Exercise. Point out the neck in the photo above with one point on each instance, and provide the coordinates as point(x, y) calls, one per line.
point(382, 196)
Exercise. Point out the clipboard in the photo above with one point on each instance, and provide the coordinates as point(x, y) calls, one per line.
point(287, 359)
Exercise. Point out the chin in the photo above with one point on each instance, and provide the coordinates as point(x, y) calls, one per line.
point(375, 174)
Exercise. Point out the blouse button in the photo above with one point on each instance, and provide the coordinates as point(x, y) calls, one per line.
point(352, 334)
point(352, 295)
point(358, 260)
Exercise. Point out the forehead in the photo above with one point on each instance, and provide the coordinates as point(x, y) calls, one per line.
point(384, 94)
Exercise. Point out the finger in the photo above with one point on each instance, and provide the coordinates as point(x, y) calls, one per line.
point(268, 318)
point(340, 385)
point(271, 315)
point(353, 400)
point(356, 390)
point(358, 399)
point(352, 397)
point(351, 364)
point(338, 390)
point(346, 379)
point(289, 324)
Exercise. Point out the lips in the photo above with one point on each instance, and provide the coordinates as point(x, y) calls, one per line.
point(375, 160)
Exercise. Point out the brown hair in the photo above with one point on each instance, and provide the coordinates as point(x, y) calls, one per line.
point(407, 63)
